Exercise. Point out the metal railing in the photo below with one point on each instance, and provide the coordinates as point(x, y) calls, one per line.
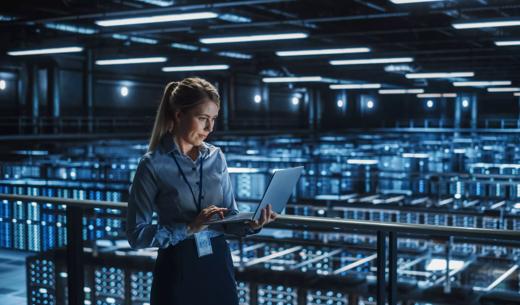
point(485, 123)
point(387, 235)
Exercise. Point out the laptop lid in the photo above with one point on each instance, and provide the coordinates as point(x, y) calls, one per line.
point(279, 190)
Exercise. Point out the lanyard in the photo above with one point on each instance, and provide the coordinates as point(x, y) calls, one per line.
point(199, 202)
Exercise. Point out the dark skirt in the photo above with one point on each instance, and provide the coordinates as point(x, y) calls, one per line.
point(180, 277)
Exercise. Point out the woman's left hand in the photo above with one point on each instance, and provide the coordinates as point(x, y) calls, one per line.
point(267, 216)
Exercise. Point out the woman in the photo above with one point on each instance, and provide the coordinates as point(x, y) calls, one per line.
point(186, 182)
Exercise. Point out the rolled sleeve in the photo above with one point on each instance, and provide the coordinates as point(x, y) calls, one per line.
point(141, 233)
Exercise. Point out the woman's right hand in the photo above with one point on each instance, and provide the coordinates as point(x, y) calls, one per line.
point(204, 216)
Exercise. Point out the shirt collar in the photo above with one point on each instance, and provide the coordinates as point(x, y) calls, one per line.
point(168, 145)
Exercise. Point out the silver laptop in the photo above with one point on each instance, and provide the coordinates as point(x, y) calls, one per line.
point(277, 194)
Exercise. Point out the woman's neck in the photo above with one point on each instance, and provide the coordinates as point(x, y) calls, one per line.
point(186, 148)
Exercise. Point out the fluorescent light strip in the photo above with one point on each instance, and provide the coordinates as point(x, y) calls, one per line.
point(482, 83)
point(46, 51)
point(292, 79)
point(143, 40)
point(371, 61)
point(400, 91)
point(195, 68)
point(184, 46)
point(158, 2)
point(516, 94)
point(322, 52)
point(234, 18)
point(415, 155)
point(124, 61)
point(436, 95)
point(412, 1)
point(355, 86)
point(486, 24)
point(439, 75)
point(70, 28)
point(362, 161)
point(505, 43)
point(156, 19)
point(249, 38)
point(235, 55)
point(502, 89)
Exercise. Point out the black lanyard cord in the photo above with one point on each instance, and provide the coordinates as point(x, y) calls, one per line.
point(199, 202)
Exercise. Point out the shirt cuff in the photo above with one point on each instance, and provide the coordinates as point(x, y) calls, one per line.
point(178, 233)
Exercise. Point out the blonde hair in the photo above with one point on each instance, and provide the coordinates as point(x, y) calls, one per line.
point(180, 96)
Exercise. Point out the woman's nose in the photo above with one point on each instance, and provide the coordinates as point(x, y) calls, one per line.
point(209, 126)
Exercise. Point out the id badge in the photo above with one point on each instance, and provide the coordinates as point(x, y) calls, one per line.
point(203, 243)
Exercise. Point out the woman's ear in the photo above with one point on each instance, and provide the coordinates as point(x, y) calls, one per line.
point(177, 117)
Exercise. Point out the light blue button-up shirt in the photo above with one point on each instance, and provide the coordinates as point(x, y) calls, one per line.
point(159, 187)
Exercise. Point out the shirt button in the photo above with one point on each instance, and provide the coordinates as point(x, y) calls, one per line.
point(194, 168)
point(197, 183)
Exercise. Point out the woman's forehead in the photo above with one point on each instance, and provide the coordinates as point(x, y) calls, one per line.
point(207, 107)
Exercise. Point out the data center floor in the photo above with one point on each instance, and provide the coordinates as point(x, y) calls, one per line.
point(12, 277)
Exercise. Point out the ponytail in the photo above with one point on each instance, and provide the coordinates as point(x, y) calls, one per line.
point(162, 119)
point(179, 96)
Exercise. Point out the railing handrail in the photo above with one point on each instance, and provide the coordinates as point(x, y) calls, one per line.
point(364, 225)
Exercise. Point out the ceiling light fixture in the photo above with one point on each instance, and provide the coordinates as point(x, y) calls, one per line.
point(45, 51)
point(355, 86)
point(506, 43)
point(157, 19)
point(371, 61)
point(401, 91)
point(195, 68)
point(249, 38)
point(439, 75)
point(322, 51)
point(436, 95)
point(486, 24)
point(125, 61)
point(483, 83)
point(292, 79)
point(503, 89)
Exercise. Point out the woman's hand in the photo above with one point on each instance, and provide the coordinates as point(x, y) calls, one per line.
point(204, 216)
point(267, 216)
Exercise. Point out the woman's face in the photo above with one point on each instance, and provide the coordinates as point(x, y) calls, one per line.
point(195, 125)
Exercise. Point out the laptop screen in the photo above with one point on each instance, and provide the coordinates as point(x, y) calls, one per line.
point(279, 190)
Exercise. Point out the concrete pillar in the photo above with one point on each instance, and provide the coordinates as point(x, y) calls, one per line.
point(21, 91)
point(318, 110)
point(224, 107)
point(265, 103)
point(311, 110)
point(458, 111)
point(53, 96)
point(53, 92)
point(34, 98)
point(88, 90)
point(474, 111)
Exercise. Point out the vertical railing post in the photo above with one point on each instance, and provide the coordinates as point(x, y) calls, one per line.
point(392, 268)
point(447, 282)
point(381, 266)
point(75, 261)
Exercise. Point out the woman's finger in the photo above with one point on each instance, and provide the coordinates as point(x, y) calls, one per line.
point(263, 217)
